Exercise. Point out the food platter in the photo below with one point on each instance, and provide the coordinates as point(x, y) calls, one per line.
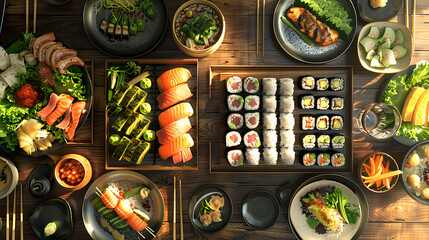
point(135, 46)
point(386, 13)
point(298, 49)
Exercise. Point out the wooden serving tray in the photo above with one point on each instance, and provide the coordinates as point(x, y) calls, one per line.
point(152, 161)
point(218, 75)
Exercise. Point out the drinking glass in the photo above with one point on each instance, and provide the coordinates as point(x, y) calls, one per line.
point(379, 120)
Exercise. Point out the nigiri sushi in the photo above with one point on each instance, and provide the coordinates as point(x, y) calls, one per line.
point(173, 77)
point(173, 130)
point(76, 111)
point(136, 222)
point(183, 156)
point(173, 95)
point(62, 105)
point(179, 111)
point(176, 146)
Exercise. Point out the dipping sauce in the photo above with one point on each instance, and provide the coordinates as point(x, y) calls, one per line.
point(28, 95)
point(72, 172)
point(5, 175)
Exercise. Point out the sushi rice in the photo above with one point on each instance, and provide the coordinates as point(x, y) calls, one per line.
point(286, 86)
point(270, 138)
point(287, 104)
point(269, 86)
point(287, 138)
point(270, 121)
point(233, 139)
point(323, 159)
point(309, 141)
point(252, 156)
point(235, 102)
point(309, 159)
point(252, 120)
point(287, 155)
point(338, 160)
point(251, 102)
point(234, 84)
point(270, 156)
point(287, 121)
point(235, 121)
point(251, 85)
point(269, 104)
point(251, 139)
point(235, 158)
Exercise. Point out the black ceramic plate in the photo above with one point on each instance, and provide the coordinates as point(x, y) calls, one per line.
point(298, 49)
point(371, 14)
point(53, 210)
point(343, 183)
point(261, 210)
point(135, 46)
point(43, 173)
point(196, 202)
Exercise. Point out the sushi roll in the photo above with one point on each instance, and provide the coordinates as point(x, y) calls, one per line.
point(308, 122)
point(338, 160)
point(234, 84)
point(269, 86)
point(286, 86)
point(270, 121)
point(252, 120)
point(322, 123)
point(337, 123)
point(251, 85)
point(323, 141)
point(338, 141)
point(323, 159)
point(270, 138)
point(269, 104)
point(308, 83)
point(309, 141)
point(287, 121)
point(287, 104)
point(235, 102)
point(287, 155)
point(322, 103)
point(251, 102)
point(270, 155)
point(309, 159)
point(233, 139)
point(322, 84)
point(337, 103)
point(337, 84)
point(307, 102)
point(287, 138)
point(235, 121)
point(235, 158)
point(252, 156)
point(251, 139)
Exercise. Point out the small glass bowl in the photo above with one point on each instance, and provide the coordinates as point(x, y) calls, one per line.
point(393, 166)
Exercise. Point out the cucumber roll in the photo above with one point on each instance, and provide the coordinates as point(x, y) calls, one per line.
point(322, 84)
point(337, 123)
point(338, 141)
point(322, 123)
point(322, 103)
point(337, 103)
point(337, 84)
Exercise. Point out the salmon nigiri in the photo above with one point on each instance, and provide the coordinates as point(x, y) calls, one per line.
point(63, 104)
point(173, 130)
point(173, 95)
point(179, 111)
point(176, 146)
point(136, 222)
point(173, 77)
point(183, 156)
point(76, 111)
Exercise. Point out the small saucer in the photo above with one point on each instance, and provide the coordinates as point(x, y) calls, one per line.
point(370, 14)
point(41, 179)
point(261, 210)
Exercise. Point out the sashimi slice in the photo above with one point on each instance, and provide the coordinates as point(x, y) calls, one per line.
point(173, 130)
point(173, 77)
point(63, 103)
point(66, 121)
point(183, 156)
point(53, 99)
point(177, 158)
point(136, 223)
point(109, 199)
point(179, 111)
point(176, 146)
point(173, 95)
point(76, 111)
point(123, 209)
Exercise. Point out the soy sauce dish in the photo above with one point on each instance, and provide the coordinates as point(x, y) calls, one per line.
point(8, 177)
point(261, 210)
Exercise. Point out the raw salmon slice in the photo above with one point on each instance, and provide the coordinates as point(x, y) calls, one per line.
point(63, 103)
point(183, 156)
point(123, 209)
point(136, 223)
point(173, 95)
point(109, 199)
point(66, 121)
point(77, 110)
point(176, 146)
point(179, 111)
point(173, 77)
point(53, 100)
point(173, 130)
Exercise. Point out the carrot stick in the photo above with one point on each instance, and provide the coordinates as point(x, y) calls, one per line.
point(372, 164)
point(381, 176)
point(367, 169)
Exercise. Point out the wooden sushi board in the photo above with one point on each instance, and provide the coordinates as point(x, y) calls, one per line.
point(218, 94)
point(152, 161)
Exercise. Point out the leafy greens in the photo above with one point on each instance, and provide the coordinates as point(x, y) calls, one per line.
point(70, 83)
point(338, 201)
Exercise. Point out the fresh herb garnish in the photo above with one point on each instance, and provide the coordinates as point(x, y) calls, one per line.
point(312, 222)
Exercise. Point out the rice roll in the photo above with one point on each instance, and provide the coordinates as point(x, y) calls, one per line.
point(9, 76)
point(270, 138)
point(323, 159)
point(338, 141)
point(287, 104)
point(323, 141)
point(322, 103)
point(235, 102)
point(235, 158)
point(309, 159)
point(17, 62)
point(252, 156)
point(269, 104)
point(270, 121)
point(287, 138)
point(269, 86)
point(4, 59)
point(322, 84)
point(251, 139)
point(251, 85)
point(322, 123)
point(251, 102)
point(286, 86)
point(287, 155)
point(307, 102)
point(233, 139)
point(234, 84)
point(337, 123)
point(287, 121)
point(308, 83)
point(270, 156)
point(337, 103)
point(309, 141)
point(338, 160)
point(252, 120)
point(337, 84)
point(308, 122)
point(235, 121)
point(3, 87)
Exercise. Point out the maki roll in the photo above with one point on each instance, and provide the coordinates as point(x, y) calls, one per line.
point(235, 102)
point(251, 102)
point(252, 120)
point(269, 103)
point(252, 156)
point(287, 155)
point(235, 158)
point(235, 121)
point(322, 84)
point(286, 86)
point(251, 85)
point(337, 84)
point(322, 103)
point(338, 160)
point(287, 138)
point(287, 121)
point(337, 103)
point(323, 159)
point(270, 156)
point(251, 139)
point(234, 84)
point(323, 141)
point(338, 141)
point(270, 121)
point(270, 138)
point(308, 122)
point(307, 102)
point(232, 139)
point(309, 159)
point(322, 123)
point(309, 141)
point(337, 123)
point(269, 86)
point(286, 104)
point(308, 83)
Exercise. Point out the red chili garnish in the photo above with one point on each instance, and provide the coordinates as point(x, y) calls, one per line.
point(131, 188)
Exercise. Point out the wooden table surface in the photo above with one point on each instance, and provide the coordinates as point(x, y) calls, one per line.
point(393, 215)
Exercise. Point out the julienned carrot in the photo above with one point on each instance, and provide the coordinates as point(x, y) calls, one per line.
point(367, 169)
point(372, 164)
point(378, 166)
point(381, 176)
point(386, 181)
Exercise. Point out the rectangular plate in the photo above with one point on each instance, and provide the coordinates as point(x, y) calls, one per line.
point(152, 161)
point(218, 75)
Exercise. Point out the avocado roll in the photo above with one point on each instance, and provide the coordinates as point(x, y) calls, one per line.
point(322, 123)
point(337, 84)
point(337, 103)
point(322, 103)
point(338, 141)
point(322, 84)
point(323, 141)
point(309, 159)
point(309, 141)
point(337, 123)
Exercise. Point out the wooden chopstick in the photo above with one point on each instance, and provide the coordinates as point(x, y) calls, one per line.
point(174, 210)
point(181, 211)
point(407, 12)
point(414, 21)
point(21, 217)
point(27, 14)
point(35, 16)
point(7, 217)
point(263, 27)
point(14, 215)
point(257, 27)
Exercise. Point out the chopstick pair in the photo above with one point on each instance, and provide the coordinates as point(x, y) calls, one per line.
point(14, 216)
point(27, 15)
point(263, 27)
point(174, 210)
point(413, 14)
